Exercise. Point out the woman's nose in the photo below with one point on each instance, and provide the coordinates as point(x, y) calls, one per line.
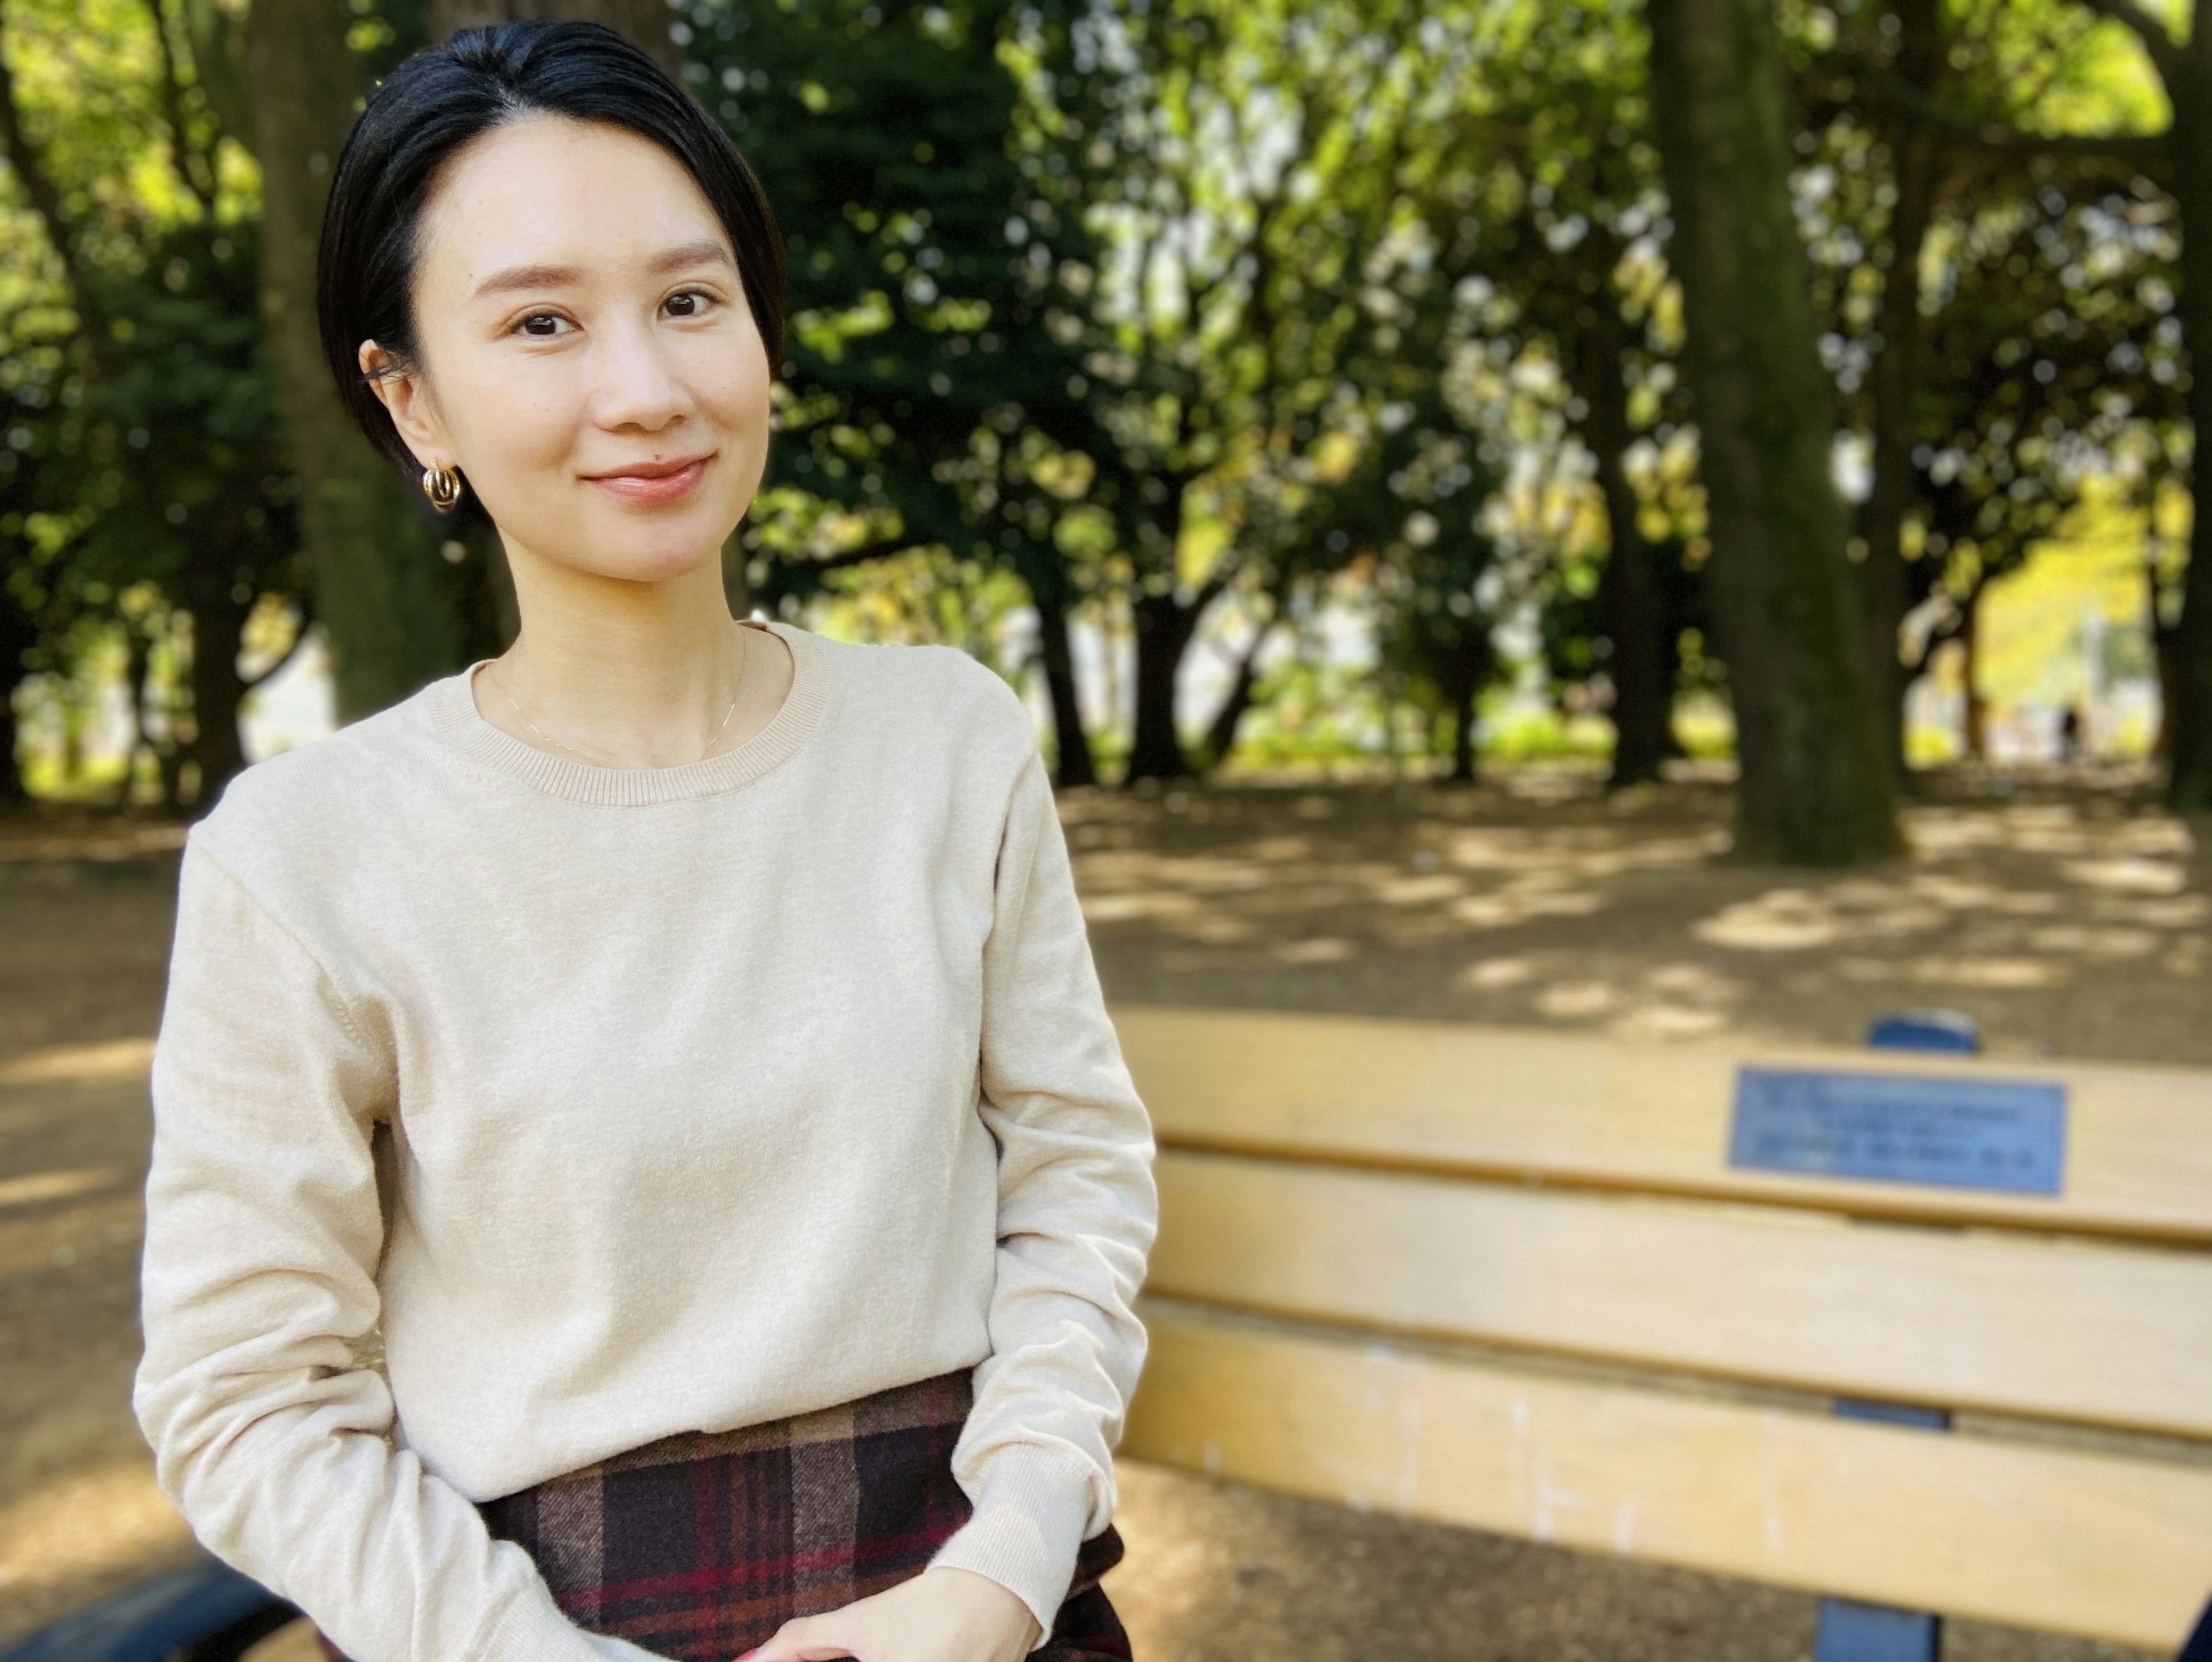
point(633, 381)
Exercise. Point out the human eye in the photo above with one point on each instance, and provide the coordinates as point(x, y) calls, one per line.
point(541, 325)
point(691, 302)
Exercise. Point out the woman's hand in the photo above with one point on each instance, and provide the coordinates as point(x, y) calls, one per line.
point(942, 1615)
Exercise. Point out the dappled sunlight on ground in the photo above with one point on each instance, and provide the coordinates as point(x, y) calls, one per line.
point(79, 1513)
point(2069, 917)
point(86, 1532)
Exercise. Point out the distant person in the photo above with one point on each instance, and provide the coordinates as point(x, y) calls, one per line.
point(675, 1037)
point(2069, 734)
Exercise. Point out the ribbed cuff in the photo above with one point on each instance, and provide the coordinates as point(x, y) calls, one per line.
point(1027, 1528)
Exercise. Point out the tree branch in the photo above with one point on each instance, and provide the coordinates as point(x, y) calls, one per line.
point(2144, 150)
point(45, 201)
point(291, 653)
point(2147, 152)
point(199, 179)
point(218, 48)
point(1217, 584)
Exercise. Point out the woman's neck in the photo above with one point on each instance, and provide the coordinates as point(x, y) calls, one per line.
point(631, 674)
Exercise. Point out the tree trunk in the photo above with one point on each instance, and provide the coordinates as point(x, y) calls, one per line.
point(1914, 158)
point(218, 629)
point(1221, 736)
point(1072, 760)
point(12, 792)
point(2189, 720)
point(75, 719)
point(2165, 653)
point(18, 633)
point(136, 658)
point(1816, 786)
point(1044, 574)
point(1463, 675)
point(168, 753)
point(1164, 628)
point(384, 600)
point(645, 21)
point(1976, 714)
point(1635, 611)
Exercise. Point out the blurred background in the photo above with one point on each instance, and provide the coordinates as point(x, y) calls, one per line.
point(1262, 387)
point(1531, 512)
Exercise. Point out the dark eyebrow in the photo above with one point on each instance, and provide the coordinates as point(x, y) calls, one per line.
point(705, 251)
point(521, 277)
point(525, 277)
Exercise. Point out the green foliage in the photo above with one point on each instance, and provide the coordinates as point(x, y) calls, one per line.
point(1268, 180)
point(2043, 375)
point(186, 443)
point(168, 462)
point(142, 469)
point(930, 301)
point(1157, 312)
point(2047, 283)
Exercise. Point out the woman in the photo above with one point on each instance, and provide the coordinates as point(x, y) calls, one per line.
point(676, 1036)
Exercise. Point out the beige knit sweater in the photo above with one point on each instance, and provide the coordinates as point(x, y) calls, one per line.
point(715, 1093)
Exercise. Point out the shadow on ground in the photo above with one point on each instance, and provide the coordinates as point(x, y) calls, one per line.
point(2068, 916)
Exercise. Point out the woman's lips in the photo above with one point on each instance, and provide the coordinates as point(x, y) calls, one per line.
point(650, 489)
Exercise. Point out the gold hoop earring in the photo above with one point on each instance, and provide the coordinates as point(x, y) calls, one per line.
point(442, 485)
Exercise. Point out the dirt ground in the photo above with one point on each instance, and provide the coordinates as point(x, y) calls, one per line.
point(2062, 912)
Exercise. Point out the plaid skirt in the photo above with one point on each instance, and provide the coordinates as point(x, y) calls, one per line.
point(701, 1545)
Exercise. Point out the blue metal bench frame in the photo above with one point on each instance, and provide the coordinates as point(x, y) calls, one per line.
point(1850, 1631)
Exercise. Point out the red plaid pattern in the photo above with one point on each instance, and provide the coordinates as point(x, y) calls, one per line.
point(701, 1545)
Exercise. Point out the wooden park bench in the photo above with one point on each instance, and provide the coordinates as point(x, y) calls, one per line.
point(1589, 1294)
point(1570, 1291)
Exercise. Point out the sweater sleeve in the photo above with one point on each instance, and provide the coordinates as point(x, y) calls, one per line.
point(262, 1232)
point(1078, 1209)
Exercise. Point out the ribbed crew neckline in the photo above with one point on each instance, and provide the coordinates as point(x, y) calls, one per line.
point(453, 714)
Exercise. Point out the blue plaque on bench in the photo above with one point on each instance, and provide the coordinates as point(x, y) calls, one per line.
point(1966, 1133)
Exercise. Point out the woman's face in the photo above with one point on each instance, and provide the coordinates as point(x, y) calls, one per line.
point(584, 353)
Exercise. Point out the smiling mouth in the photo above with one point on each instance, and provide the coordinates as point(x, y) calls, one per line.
point(651, 484)
point(650, 470)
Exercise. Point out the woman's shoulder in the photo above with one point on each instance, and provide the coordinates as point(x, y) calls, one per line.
point(947, 691)
point(314, 797)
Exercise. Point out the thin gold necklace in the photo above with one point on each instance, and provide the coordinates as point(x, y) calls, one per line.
point(744, 662)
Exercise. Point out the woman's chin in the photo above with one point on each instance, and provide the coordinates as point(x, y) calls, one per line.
point(655, 564)
point(622, 548)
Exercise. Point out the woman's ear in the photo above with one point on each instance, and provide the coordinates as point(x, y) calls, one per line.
point(405, 399)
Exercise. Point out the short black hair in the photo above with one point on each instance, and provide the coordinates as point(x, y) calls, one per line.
point(439, 100)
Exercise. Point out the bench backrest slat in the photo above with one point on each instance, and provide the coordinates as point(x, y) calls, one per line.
point(2101, 1333)
point(1578, 1111)
point(2104, 1546)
